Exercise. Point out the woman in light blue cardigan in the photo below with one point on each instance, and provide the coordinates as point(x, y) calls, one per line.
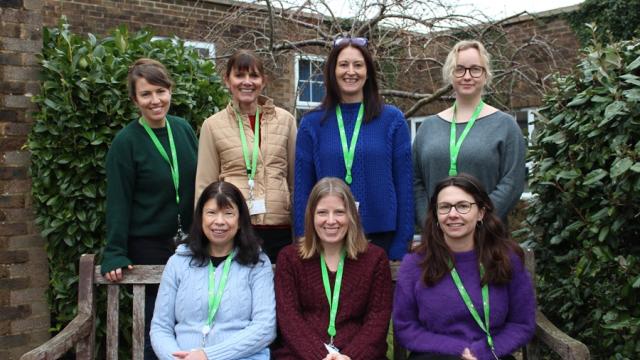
point(221, 263)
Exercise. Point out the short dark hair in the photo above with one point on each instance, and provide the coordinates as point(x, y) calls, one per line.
point(151, 70)
point(371, 96)
point(245, 60)
point(491, 239)
point(245, 240)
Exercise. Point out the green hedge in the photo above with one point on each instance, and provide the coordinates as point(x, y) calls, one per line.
point(83, 103)
point(615, 20)
point(585, 216)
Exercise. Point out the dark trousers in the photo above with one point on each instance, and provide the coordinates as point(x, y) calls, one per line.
point(150, 293)
point(432, 356)
point(382, 239)
point(273, 240)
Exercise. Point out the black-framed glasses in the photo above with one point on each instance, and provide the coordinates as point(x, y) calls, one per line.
point(475, 71)
point(462, 207)
point(357, 41)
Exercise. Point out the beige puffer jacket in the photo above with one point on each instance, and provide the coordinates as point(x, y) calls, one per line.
point(220, 158)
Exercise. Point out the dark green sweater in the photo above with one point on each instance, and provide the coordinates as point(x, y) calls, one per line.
point(141, 201)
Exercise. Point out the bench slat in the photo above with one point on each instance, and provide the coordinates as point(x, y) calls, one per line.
point(142, 274)
point(138, 321)
point(113, 311)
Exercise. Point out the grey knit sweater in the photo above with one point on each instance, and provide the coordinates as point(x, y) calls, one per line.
point(493, 151)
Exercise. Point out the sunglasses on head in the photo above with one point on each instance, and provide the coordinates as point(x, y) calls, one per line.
point(357, 41)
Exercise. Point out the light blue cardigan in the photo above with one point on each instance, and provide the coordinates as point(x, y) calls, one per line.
point(245, 323)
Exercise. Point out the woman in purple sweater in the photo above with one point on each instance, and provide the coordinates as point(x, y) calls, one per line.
point(466, 260)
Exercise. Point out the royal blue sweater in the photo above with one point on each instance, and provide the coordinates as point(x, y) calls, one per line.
point(382, 170)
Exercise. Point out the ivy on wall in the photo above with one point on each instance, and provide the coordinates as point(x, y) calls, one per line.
point(585, 214)
point(615, 20)
point(83, 103)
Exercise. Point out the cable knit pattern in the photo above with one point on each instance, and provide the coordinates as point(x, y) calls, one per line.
point(303, 310)
point(494, 152)
point(245, 323)
point(435, 319)
point(382, 172)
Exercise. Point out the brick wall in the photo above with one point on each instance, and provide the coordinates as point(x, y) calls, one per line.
point(197, 20)
point(24, 314)
point(188, 19)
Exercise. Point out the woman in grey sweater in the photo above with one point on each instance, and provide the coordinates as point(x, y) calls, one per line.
point(469, 137)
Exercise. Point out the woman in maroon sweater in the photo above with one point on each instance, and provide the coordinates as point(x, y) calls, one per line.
point(332, 268)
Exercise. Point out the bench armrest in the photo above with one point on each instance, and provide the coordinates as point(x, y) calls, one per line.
point(79, 328)
point(560, 343)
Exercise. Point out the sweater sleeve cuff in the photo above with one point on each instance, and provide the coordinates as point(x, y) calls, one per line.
point(113, 263)
point(480, 349)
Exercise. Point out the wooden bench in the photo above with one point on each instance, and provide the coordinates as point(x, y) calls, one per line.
point(80, 332)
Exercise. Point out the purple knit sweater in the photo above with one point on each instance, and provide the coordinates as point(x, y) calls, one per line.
point(435, 319)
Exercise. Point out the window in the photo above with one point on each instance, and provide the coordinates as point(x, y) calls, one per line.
point(525, 118)
point(309, 82)
point(414, 124)
point(205, 49)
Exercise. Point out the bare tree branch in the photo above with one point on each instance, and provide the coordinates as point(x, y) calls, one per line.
point(426, 100)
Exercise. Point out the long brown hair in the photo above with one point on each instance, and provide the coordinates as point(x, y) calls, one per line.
point(355, 241)
point(371, 95)
point(491, 240)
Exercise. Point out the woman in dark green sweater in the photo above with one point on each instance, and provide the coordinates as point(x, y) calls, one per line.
point(151, 169)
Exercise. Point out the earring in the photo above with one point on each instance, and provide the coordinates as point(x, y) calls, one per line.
point(479, 223)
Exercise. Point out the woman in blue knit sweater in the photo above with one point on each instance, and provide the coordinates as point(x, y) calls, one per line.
point(353, 135)
point(216, 297)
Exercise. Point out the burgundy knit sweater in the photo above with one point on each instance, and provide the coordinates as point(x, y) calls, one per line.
point(303, 310)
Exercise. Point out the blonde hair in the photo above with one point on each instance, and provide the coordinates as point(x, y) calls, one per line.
point(355, 240)
point(452, 59)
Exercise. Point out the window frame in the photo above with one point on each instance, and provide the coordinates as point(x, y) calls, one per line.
point(210, 47)
point(305, 105)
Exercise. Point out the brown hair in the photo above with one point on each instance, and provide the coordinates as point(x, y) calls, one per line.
point(371, 95)
point(151, 70)
point(245, 60)
point(491, 239)
point(355, 240)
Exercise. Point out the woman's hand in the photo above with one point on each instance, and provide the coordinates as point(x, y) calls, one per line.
point(336, 356)
point(190, 355)
point(467, 355)
point(116, 275)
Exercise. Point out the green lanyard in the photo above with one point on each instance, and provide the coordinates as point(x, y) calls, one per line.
point(253, 163)
point(348, 152)
point(335, 299)
point(215, 293)
point(454, 147)
point(472, 309)
point(175, 173)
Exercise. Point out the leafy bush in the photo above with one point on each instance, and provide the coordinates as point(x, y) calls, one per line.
point(82, 103)
point(585, 215)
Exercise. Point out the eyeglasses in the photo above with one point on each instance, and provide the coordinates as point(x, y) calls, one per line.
point(462, 207)
point(474, 71)
point(357, 41)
